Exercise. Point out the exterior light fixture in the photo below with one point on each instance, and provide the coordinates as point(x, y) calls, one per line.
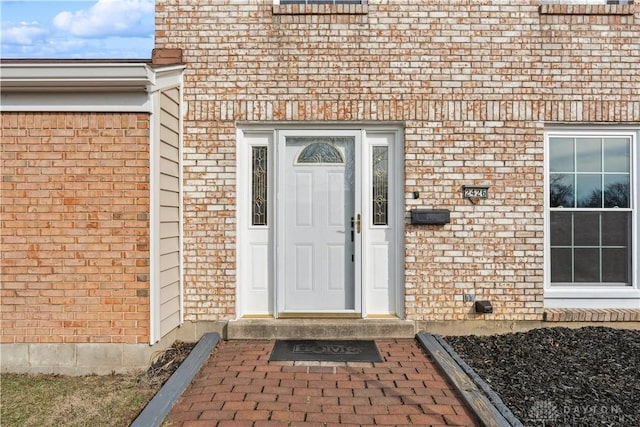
point(484, 307)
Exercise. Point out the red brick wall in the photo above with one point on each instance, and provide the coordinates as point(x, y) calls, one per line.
point(75, 228)
point(475, 83)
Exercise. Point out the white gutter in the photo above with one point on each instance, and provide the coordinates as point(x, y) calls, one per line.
point(69, 76)
point(77, 86)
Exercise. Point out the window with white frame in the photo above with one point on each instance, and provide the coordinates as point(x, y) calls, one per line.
point(595, 2)
point(320, 2)
point(590, 202)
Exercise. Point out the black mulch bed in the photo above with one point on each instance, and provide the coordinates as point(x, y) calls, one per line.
point(561, 376)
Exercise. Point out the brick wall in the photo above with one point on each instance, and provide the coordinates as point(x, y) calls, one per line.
point(75, 228)
point(475, 82)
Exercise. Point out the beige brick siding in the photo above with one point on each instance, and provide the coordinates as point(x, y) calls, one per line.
point(75, 228)
point(474, 82)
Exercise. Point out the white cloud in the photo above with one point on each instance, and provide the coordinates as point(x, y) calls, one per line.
point(109, 18)
point(23, 33)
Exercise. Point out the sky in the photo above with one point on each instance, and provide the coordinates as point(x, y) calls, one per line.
point(89, 29)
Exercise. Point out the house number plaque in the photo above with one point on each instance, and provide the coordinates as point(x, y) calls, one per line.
point(475, 193)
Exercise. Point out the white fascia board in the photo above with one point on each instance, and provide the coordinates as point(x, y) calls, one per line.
point(94, 102)
point(60, 76)
point(83, 87)
point(167, 76)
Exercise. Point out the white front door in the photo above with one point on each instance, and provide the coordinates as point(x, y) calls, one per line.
point(318, 245)
point(320, 222)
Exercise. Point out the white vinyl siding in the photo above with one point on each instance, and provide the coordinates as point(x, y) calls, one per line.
point(169, 214)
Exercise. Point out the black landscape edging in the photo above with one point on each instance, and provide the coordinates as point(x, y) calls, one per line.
point(159, 407)
point(473, 395)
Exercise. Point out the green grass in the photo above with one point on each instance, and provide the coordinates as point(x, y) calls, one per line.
point(54, 400)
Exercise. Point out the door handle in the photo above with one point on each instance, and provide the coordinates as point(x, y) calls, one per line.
point(358, 223)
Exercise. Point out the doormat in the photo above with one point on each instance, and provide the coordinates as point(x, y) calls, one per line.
point(325, 351)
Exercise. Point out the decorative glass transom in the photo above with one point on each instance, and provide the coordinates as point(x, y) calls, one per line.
point(259, 186)
point(320, 152)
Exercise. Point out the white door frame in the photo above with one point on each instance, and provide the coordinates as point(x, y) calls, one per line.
point(257, 293)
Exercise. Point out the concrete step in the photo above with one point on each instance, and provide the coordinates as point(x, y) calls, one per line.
point(319, 329)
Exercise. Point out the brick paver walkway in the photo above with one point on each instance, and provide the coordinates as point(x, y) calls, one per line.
point(238, 386)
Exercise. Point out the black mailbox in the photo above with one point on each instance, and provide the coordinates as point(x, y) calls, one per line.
point(430, 216)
